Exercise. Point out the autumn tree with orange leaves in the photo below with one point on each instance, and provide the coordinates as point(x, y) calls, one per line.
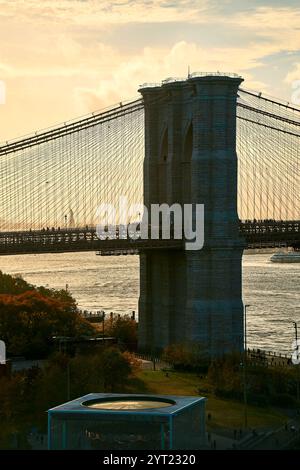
point(30, 317)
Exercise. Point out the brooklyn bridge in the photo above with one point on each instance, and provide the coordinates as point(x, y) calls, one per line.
point(53, 181)
point(205, 139)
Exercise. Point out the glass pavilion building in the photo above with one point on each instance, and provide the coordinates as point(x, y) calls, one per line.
point(128, 422)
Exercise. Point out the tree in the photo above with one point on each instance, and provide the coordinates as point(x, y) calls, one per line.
point(13, 284)
point(124, 328)
point(30, 318)
point(115, 368)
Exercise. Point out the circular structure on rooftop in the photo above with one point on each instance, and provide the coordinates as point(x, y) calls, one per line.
point(129, 403)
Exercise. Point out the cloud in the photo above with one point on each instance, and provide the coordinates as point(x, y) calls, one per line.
point(69, 57)
point(154, 64)
point(92, 12)
point(59, 56)
point(294, 74)
point(277, 27)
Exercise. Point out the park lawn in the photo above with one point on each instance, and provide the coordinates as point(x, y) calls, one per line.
point(229, 414)
point(225, 414)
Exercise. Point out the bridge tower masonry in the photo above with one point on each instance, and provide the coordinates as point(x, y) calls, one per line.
point(193, 297)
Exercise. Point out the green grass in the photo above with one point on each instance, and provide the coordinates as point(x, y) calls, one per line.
point(226, 415)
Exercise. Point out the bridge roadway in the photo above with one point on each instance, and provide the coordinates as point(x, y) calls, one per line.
point(257, 234)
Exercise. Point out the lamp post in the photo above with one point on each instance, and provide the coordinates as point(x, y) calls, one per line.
point(68, 380)
point(245, 368)
point(103, 318)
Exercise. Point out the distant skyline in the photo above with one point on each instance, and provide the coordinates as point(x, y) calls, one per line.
point(62, 59)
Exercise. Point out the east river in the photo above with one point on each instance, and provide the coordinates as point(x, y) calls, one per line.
point(112, 284)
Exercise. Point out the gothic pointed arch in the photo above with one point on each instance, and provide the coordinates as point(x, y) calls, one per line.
point(162, 176)
point(187, 165)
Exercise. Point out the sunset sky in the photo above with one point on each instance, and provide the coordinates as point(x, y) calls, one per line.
point(62, 59)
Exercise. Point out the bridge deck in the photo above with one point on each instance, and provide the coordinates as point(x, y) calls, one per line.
point(257, 234)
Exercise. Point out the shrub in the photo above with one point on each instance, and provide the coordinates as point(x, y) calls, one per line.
point(185, 357)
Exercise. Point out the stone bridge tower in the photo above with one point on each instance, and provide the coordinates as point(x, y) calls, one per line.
point(193, 297)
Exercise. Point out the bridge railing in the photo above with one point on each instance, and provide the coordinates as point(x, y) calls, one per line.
point(258, 234)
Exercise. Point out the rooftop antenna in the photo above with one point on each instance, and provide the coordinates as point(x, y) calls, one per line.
point(189, 71)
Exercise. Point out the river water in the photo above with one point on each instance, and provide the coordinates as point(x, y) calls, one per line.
point(112, 284)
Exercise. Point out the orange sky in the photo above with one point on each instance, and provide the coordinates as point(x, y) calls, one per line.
point(62, 59)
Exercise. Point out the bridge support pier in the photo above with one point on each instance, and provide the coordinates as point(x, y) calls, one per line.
point(193, 297)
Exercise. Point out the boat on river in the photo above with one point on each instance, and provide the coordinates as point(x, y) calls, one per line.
point(286, 257)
